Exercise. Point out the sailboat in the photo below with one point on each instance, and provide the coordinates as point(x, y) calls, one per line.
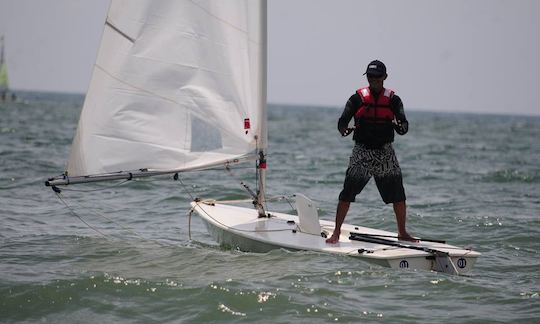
point(4, 82)
point(181, 86)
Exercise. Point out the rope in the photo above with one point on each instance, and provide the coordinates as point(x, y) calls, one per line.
point(79, 217)
point(189, 223)
point(184, 187)
point(277, 198)
point(59, 196)
point(212, 201)
point(236, 229)
point(268, 199)
point(107, 238)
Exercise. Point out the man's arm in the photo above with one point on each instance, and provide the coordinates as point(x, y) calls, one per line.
point(401, 124)
point(350, 109)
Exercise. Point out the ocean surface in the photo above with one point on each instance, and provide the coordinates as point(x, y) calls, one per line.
point(121, 252)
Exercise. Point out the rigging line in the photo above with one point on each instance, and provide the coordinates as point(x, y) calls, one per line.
point(245, 186)
point(296, 229)
point(112, 221)
point(288, 201)
point(107, 237)
point(79, 217)
point(241, 230)
point(217, 221)
point(184, 187)
point(127, 229)
point(226, 202)
point(177, 177)
point(267, 199)
point(189, 222)
point(240, 201)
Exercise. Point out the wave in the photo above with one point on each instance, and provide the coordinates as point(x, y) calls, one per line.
point(511, 175)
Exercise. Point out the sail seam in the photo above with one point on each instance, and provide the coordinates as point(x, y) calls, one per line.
point(223, 21)
point(149, 92)
point(133, 86)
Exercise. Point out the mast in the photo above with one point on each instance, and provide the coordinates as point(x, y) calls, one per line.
point(263, 135)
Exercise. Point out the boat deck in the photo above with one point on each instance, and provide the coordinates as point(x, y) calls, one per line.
point(242, 228)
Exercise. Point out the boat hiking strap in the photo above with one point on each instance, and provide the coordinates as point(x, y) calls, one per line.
point(376, 240)
point(393, 236)
point(443, 261)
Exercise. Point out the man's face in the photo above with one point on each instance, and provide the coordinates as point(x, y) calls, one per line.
point(376, 81)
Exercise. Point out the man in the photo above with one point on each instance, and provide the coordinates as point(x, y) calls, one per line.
point(377, 113)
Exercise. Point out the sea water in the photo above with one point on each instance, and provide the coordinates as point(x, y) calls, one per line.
point(121, 251)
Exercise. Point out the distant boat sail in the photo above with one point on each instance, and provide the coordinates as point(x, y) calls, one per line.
point(181, 86)
point(4, 81)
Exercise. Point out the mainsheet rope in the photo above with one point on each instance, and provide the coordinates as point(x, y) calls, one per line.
point(72, 211)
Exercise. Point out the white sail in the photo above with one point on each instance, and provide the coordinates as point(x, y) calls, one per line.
point(174, 85)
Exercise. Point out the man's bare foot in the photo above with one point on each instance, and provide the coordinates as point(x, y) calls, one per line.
point(406, 237)
point(334, 238)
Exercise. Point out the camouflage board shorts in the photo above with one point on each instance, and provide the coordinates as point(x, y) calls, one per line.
point(382, 165)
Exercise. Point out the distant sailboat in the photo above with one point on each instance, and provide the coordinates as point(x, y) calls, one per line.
point(5, 94)
point(181, 86)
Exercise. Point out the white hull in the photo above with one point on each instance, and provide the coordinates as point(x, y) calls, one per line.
point(241, 228)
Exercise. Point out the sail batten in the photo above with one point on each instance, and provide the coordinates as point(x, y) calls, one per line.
point(108, 23)
point(173, 85)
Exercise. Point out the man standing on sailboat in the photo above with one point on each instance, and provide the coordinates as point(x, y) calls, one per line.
point(377, 112)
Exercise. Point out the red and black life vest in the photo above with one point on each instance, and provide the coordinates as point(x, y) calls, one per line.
point(375, 110)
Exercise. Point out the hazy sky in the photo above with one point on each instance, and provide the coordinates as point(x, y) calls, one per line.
point(459, 55)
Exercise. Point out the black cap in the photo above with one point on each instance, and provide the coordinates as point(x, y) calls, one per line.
point(376, 67)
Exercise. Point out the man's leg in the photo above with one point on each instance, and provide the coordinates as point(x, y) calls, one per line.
point(356, 179)
point(341, 212)
point(400, 209)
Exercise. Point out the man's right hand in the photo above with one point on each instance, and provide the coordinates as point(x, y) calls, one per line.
point(346, 131)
